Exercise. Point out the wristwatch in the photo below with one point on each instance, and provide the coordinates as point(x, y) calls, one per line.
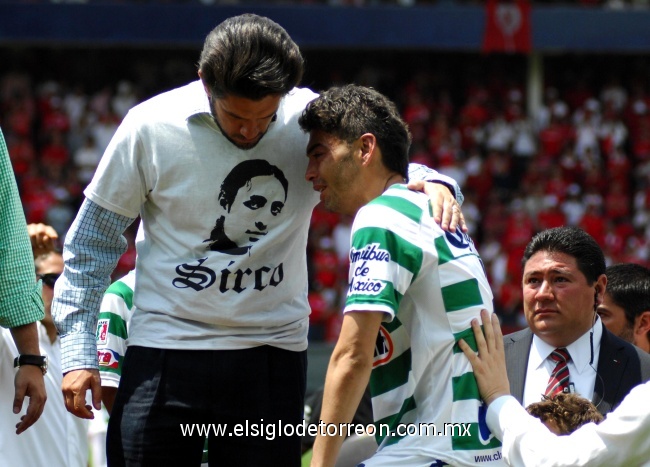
point(36, 360)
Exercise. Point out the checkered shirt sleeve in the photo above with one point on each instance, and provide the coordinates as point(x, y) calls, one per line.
point(424, 173)
point(20, 294)
point(91, 250)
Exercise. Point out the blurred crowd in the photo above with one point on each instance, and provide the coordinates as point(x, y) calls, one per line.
point(582, 158)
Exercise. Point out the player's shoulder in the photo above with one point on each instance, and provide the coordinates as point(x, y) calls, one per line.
point(399, 200)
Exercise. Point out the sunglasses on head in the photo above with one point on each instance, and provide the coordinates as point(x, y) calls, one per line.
point(48, 279)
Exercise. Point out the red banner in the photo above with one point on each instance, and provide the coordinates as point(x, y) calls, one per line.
point(507, 26)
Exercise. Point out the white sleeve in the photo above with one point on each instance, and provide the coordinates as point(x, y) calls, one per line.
point(422, 172)
point(623, 438)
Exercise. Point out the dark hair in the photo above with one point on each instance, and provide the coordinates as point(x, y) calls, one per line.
point(628, 285)
point(568, 411)
point(349, 111)
point(250, 56)
point(243, 173)
point(571, 241)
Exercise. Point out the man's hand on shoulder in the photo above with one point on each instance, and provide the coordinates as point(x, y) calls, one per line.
point(446, 210)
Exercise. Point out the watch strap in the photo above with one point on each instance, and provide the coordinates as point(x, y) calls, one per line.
point(36, 360)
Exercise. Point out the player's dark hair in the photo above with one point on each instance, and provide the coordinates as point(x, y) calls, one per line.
point(250, 56)
point(628, 285)
point(348, 112)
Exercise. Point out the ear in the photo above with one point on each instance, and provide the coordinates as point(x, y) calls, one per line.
point(205, 86)
point(368, 146)
point(600, 286)
point(642, 325)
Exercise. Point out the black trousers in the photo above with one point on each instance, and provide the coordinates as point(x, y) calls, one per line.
point(242, 400)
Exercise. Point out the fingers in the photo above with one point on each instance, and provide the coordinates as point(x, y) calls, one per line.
point(34, 411)
point(29, 382)
point(496, 331)
point(488, 330)
point(452, 216)
point(19, 398)
point(444, 207)
point(74, 387)
point(467, 350)
point(461, 220)
point(96, 390)
point(448, 214)
point(42, 237)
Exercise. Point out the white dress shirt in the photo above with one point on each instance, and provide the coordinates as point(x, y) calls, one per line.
point(623, 438)
point(582, 366)
point(58, 438)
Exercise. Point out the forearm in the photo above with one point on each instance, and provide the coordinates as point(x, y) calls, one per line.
point(92, 248)
point(347, 378)
point(26, 339)
point(424, 173)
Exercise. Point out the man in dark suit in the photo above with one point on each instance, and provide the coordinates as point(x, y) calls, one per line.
point(566, 347)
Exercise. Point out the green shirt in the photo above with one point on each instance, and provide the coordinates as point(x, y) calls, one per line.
point(20, 295)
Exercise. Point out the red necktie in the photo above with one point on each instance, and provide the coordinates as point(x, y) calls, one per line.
point(559, 380)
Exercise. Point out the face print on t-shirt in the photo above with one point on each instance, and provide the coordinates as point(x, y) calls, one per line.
point(251, 199)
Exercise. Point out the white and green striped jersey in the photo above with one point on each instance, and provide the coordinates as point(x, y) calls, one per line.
point(112, 328)
point(429, 284)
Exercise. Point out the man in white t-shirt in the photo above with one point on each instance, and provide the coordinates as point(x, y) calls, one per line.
point(215, 337)
point(413, 291)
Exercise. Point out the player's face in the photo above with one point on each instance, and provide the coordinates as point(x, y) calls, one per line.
point(558, 300)
point(613, 317)
point(332, 171)
point(243, 121)
point(254, 210)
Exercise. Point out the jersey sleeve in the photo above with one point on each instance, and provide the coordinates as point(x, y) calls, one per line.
point(112, 332)
point(383, 263)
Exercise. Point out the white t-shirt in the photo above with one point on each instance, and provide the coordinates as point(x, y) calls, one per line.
point(170, 163)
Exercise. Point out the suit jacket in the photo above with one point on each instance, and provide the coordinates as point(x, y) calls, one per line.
point(621, 366)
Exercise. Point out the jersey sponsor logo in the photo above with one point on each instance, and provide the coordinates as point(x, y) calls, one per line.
point(461, 240)
point(360, 283)
point(383, 347)
point(370, 252)
point(484, 433)
point(366, 286)
point(199, 277)
point(102, 331)
point(108, 358)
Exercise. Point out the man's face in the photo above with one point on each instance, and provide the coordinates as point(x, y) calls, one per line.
point(48, 270)
point(558, 301)
point(614, 319)
point(332, 171)
point(254, 210)
point(243, 121)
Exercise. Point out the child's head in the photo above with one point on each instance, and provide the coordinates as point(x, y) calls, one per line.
point(565, 412)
